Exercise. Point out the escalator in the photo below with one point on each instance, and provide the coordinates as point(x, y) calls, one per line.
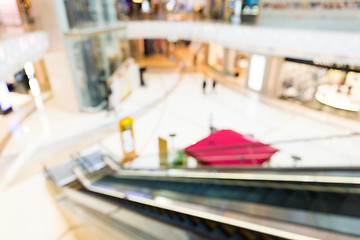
point(234, 203)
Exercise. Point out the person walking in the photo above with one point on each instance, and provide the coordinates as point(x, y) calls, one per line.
point(142, 82)
point(204, 86)
point(214, 84)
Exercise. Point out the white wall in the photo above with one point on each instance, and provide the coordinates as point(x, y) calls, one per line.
point(56, 60)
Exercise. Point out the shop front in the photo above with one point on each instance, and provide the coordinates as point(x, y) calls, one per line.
point(320, 85)
point(216, 57)
point(233, 64)
point(237, 66)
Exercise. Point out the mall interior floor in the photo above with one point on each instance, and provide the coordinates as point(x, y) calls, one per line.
point(165, 106)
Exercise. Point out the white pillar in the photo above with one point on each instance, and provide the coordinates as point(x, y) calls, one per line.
point(47, 15)
point(272, 74)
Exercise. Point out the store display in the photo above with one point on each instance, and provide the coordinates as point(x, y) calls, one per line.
point(226, 147)
point(299, 81)
point(341, 97)
point(317, 83)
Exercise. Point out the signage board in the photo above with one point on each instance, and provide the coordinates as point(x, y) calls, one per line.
point(127, 139)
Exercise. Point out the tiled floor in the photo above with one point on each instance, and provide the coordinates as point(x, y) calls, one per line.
point(319, 139)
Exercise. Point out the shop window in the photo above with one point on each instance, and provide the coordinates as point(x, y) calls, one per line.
point(322, 88)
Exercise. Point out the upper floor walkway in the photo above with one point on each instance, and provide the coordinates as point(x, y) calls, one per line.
point(326, 46)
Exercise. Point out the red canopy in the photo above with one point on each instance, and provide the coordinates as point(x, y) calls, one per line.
point(226, 147)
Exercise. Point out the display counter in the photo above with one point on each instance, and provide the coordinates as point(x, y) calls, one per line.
point(339, 97)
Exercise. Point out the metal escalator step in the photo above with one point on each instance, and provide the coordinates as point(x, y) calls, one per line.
point(219, 233)
point(351, 205)
point(202, 227)
point(256, 195)
point(299, 199)
point(329, 202)
point(237, 236)
point(276, 197)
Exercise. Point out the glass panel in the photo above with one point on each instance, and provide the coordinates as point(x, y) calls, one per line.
point(95, 59)
point(90, 13)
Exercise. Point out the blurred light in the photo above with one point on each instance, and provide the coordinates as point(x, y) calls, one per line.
point(243, 63)
point(137, 1)
point(238, 6)
point(172, 39)
point(162, 200)
point(170, 5)
point(34, 86)
point(26, 128)
point(145, 6)
point(29, 69)
point(256, 72)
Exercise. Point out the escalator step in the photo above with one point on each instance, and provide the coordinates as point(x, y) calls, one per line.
point(202, 227)
point(257, 195)
point(276, 197)
point(218, 233)
point(350, 206)
point(238, 236)
point(299, 199)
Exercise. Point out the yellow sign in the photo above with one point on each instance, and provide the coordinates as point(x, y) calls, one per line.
point(163, 152)
point(127, 138)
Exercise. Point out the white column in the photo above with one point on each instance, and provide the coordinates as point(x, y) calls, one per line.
point(272, 73)
point(47, 14)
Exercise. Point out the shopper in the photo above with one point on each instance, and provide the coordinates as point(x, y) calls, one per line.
point(204, 86)
point(142, 82)
point(214, 84)
point(108, 98)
